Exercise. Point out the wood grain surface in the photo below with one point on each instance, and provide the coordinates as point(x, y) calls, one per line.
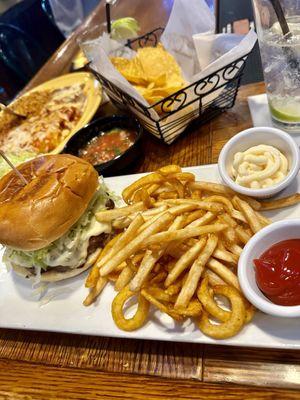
point(44, 382)
point(40, 365)
point(171, 360)
point(252, 366)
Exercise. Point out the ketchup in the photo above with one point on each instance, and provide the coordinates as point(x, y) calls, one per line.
point(278, 273)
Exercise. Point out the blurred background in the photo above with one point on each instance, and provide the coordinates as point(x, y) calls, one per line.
point(31, 30)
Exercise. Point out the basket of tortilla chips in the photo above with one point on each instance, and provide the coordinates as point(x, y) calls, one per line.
point(171, 103)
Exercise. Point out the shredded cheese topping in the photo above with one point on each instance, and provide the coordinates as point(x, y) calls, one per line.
point(44, 130)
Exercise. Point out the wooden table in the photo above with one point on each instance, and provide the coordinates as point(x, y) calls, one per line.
point(36, 365)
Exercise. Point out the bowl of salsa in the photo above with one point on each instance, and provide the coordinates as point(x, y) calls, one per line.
point(268, 269)
point(110, 144)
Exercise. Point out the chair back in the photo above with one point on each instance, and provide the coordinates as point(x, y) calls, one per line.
point(47, 10)
point(20, 52)
point(229, 11)
point(36, 19)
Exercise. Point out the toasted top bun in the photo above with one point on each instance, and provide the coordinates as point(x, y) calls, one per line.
point(58, 192)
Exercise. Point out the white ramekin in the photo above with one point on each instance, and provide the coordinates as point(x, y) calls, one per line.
point(260, 242)
point(252, 137)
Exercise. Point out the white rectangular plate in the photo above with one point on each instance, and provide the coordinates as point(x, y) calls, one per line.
point(20, 309)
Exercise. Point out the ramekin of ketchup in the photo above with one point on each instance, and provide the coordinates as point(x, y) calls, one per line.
point(269, 269)
point(277, 272)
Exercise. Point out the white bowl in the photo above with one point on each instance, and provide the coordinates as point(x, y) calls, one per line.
point(260, 242)
point(252, 137)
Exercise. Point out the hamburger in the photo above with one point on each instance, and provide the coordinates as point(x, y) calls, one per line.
point(49, 226)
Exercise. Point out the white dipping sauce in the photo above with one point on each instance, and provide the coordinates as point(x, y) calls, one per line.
point(259, 167)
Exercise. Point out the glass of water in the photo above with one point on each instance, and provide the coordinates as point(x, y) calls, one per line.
point(280, 53)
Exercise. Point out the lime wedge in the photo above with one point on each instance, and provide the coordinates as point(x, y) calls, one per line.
point(289, 112)
point(124, 28)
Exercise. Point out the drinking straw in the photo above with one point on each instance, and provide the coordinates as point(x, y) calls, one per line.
point(281, 18)
point(108, 20)
point(291, 58)
point(217, 15)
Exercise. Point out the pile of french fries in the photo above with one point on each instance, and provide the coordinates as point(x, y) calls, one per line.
point(177, 247)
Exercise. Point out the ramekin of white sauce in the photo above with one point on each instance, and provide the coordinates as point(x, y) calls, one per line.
point(259, 167)
point(259, 162)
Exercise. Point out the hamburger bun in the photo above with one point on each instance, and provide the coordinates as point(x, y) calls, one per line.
point(58, 192)
point(52, 275)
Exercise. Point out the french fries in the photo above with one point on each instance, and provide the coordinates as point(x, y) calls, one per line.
point(208, 302)
point(161, 305)
point(131, 247)
point(122, 241)
point(140, 316)
point(281, 203)
point(190, 285)
point(124, 278)
point(249, 214)
point(178, 250)
point(235, 320)
point(109, 215)
point(185, 261)
point(223, 272)
point(94, 293)
point(181, 234)
point(149, 260)
point(144, 270)
point(223, 190)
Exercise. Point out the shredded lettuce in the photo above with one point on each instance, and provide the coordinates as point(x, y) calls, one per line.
point(16, 159)
point(70, 250)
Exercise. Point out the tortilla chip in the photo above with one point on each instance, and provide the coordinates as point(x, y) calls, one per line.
point(153, 72)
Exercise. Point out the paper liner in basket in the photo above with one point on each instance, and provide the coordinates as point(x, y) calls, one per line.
point(189, 37)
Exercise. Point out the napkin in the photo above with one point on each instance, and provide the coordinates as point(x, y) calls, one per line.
point(187, 18)
point(189, 37)
point(259, 110)
point(261, 116)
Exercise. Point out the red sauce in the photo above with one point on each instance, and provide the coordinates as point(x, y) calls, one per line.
point(278, 273)
point(108, 146)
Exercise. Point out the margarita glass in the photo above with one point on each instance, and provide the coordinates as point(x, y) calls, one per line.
point(280, 53)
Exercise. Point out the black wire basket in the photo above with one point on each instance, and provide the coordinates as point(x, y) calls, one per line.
point(202, 100)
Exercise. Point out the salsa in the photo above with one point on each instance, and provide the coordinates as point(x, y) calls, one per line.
point(107, 146)
point(278, 272)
